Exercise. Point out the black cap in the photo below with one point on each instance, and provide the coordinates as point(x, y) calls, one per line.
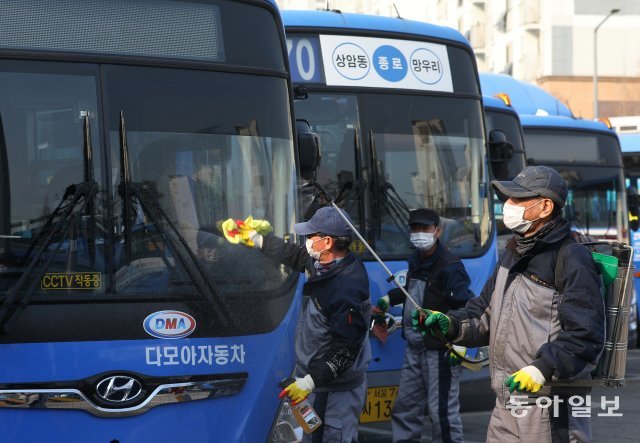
point(326, 221)
point(534, 181)
point(424, 216)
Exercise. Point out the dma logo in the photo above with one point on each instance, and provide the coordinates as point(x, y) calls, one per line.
point(169, 324)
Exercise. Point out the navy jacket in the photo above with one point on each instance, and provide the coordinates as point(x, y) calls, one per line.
point(526, 321)
point(332, 342)
point(438, 282)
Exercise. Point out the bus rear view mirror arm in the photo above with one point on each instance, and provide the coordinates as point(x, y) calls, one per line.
point(500, 153)
point(309, 153)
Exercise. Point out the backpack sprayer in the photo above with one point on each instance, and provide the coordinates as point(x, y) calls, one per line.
point(617, 301)
point(472, 364)
point(616, 271)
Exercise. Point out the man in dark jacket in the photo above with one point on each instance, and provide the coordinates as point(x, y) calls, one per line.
point(430, 378)
point(332, 341)
point(537, 332)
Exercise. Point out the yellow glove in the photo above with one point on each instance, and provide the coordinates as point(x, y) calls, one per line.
point(453, 359)
point(527, 379)
point(243, 232)
point(299, 389)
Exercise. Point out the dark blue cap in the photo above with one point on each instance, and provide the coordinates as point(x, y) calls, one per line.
point(534, 181)
point(424, 216)
point(326, 221)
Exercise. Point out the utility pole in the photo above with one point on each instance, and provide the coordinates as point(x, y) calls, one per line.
point(595, 62)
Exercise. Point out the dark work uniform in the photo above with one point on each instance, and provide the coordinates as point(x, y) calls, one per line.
point(526, 320)
point(439, 283)
point(332, 340)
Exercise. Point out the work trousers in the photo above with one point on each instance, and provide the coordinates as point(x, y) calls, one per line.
point(551, 424)
point(428, 383)
point(340, 415)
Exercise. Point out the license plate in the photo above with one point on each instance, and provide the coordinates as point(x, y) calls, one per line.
point(379, 404)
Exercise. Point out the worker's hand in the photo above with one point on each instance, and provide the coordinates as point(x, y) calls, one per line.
point(418, 316)
point(424, 321)
point(438, 320)
point(383, 303)
point(527, 379)
point(248, 232)
point(453, 359)
point(299, 389)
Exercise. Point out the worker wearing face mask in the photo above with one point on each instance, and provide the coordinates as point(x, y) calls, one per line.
point(332, 344)
point(430, 376)
point(541, 325)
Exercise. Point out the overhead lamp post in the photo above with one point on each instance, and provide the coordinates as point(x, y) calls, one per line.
point(595, 62)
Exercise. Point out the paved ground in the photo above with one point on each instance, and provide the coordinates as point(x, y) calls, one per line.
point(604, 429)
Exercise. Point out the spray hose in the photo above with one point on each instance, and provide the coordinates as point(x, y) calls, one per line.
point(473, 364)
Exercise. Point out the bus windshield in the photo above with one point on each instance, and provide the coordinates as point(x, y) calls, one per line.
point(202, 147)
point(591, 164)
point(412, 152)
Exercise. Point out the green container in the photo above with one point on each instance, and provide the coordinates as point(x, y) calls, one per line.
point(608, 266)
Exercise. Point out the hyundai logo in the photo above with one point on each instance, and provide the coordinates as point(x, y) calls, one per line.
point(119, 389)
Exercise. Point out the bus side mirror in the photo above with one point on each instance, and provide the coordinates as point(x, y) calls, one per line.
point(308, 150)
point(500, 153)
point(633, 205)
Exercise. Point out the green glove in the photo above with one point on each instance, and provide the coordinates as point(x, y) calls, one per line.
point(418, 317)
point(439, 320)
point(527, 379)
point(383, 303)
point(453, 359)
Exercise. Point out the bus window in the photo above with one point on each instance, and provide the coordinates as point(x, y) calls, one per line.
point(43, 131)
point(335, 119)
point(430, 154)
point(201, 168)
point(592, 169)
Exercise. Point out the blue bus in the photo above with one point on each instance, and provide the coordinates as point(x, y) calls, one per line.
point(398, 109)
point(630, 145)
point(525, 97)
point(129, 131)
point(586, 153)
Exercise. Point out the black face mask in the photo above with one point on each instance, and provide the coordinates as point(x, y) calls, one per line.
point(524, 244)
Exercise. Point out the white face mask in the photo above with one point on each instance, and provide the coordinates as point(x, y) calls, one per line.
point(314, 254)
point(513, 217)
point(422, 240)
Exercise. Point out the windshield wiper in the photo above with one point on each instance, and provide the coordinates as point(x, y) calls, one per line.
point(349, 190)
point(79, 197)
point(360, 184)
point(167, 230)
point(89, 177)
point(69, 191)
point(384, 195)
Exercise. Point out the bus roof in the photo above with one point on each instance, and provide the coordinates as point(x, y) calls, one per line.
point(629, 142)
point(526, 98)
point(495, 103)
point(557, 122)
point(340, 20)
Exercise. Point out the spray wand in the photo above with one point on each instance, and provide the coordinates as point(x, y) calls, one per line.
point(474, 365)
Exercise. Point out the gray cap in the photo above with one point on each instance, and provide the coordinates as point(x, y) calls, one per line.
point(534, 181)
point(326, 221)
